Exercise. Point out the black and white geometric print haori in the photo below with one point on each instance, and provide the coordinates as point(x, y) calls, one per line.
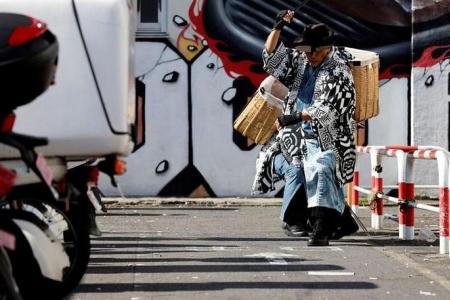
point(333, 104)
point(331, 115)
point(290, 139)
point(265, 177)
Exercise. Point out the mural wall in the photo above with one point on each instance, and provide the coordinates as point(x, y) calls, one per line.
point(199, 77)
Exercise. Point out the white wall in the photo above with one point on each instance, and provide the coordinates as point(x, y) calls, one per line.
point(226, 169)
point(431, 115)
point(166, 122)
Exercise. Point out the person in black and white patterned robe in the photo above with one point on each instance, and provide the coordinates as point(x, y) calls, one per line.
point(324, 145)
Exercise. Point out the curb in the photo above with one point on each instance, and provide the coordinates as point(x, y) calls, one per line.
point(229, 201)
point(155, 201)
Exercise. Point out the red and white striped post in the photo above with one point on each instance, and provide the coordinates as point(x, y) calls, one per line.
point(376, 180)
point(405, 193)
point(355, 193)
point(442, 162)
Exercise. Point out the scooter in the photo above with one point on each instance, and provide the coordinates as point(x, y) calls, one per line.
point(62, 201)
point(54, 250)
point(8, 285)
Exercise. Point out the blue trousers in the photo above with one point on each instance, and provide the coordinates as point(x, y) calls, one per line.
point(320, 168)
point(294, 206)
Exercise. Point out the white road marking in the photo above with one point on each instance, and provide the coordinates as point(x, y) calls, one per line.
point(427, 293)
point(330, 273)
point(276, 261)
point(287, 248)
point(195, 249)
point(315, 249)
point(335, 249)
point(215, 248)
point(273, 258)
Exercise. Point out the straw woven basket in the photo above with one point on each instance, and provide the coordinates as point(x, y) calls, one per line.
point(365, 69)
point(257, 120)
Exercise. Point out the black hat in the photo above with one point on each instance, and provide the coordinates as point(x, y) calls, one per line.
point(314, 36)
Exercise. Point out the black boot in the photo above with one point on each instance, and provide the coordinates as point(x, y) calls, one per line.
point(324, 221)
point(320, 233)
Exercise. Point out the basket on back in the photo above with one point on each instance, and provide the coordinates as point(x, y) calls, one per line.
point(257, 120)
point(365, 66)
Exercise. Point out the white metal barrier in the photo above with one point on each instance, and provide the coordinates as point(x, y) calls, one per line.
point(405, 163)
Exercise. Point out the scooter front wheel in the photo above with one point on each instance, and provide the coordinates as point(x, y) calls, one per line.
point(67, 229)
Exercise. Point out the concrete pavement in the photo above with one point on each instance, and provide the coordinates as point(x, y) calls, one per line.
point(165, 249)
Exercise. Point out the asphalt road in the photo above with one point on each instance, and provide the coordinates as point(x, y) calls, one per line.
point(213, 252)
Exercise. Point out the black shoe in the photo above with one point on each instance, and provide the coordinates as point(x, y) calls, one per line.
point(316, 241)
point(93, 227)
point(347, 225)
point(295, 230)
point(95, 231)
point(342, 231)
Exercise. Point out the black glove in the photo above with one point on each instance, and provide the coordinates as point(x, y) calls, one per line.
point(285, 120)
point(279, 21)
